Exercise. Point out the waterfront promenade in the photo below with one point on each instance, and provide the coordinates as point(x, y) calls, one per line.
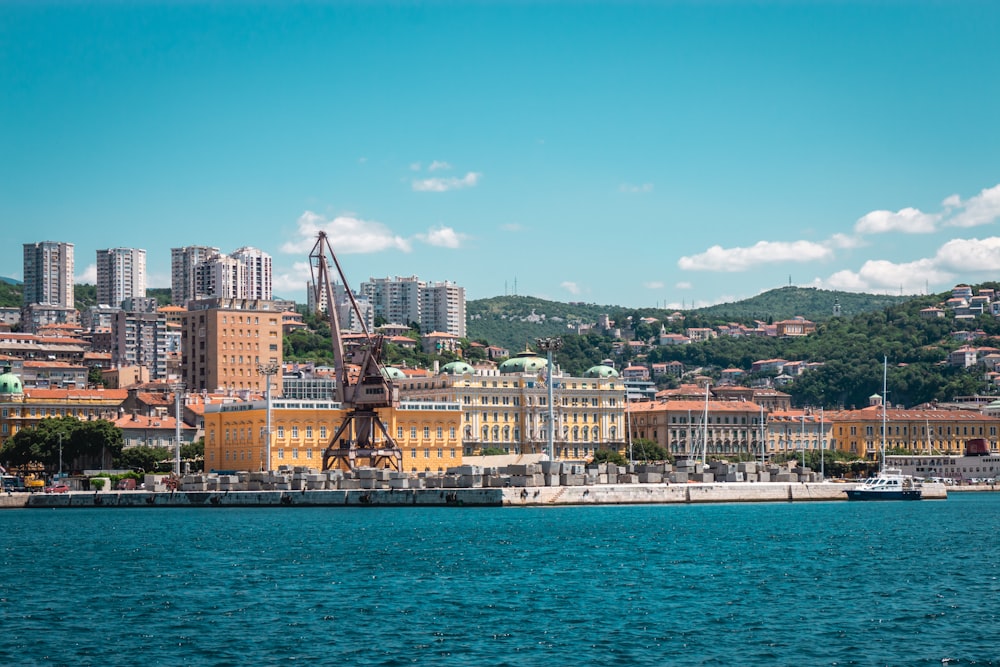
point(604, 494)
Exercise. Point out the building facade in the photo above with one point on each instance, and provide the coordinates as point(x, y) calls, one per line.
point(919, 431)
point(182, 273)
point(428, 434)
point(140, 339)
point(508, 408)
point(225, 342)
point(694, 428)
point(121, 275)
point(48, 274)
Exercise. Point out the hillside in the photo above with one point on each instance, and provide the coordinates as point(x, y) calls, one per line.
point(513, 321)
point(811, 303)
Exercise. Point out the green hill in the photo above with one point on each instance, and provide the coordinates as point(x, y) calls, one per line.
point(513, 321)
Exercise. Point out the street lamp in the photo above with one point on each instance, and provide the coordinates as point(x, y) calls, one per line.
point(550, 345)
point(267, 370)
point(60, 456)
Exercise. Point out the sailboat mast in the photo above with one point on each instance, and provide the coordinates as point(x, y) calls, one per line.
point(885, 371)
point(704, 428)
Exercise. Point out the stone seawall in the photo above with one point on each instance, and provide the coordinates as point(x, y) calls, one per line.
point(609, 494)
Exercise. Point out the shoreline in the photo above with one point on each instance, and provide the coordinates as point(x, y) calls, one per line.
point(538, 496)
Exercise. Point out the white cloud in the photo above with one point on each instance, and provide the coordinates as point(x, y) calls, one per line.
point(907, 220)
point(89, 275)
point(512, 227)
point(443, 237)
point(718, 258)
point(683, 285)
point(415, 166)
point(437, 164)
point(655, 284)
point(292, 282)
point(843, 241)
point(570, 287)
point(970, 255)
point(885, 276)
point(635, 189)
point(981, 209)
point(346, 234)
point(446, 184)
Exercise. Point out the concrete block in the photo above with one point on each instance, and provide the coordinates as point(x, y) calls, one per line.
point(747, 467)
point(678, 477)
point(517, 469)
point(735, 477)
point(763, 477)
point(571, 479)
point(650, 478)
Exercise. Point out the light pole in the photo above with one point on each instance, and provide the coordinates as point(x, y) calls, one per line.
point(60, 456)
point(550, 345)
point(267, 370)
point(178, 393)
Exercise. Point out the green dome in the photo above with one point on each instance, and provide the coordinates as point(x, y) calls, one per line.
point(526, 362)
point(10, 384)
point(600, 372)
point(457, 368)
point(393, 373)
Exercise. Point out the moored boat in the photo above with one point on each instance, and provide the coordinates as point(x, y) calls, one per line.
point(888, 484)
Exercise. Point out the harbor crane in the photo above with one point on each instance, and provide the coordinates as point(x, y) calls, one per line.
point(362, 437)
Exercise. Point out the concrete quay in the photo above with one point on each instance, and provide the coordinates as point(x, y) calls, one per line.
point(609, 494)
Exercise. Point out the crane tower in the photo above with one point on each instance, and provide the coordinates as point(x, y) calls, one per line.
point(362, 437)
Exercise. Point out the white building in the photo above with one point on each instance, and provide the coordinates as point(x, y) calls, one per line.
point(182, 273)
point(121, 275)
point(48, 274)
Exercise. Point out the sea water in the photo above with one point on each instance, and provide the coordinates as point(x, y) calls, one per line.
point(825, 583)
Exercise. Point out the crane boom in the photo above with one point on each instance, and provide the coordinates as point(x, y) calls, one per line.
point(362, 435)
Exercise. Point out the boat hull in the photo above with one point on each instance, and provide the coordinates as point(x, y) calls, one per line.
point(869, 494)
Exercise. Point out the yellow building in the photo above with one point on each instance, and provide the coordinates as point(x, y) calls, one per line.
point(921, 431)
point(507, 408)
point(23, 408)
point(235, 434)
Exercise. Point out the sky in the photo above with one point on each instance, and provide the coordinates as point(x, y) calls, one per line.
point(642, 154)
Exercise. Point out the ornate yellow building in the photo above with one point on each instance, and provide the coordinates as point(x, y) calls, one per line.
point(507, 408)
point(235, 434)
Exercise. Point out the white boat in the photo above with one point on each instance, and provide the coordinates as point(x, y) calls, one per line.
point(888, 484)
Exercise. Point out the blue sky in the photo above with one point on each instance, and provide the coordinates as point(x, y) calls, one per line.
point(642, 154)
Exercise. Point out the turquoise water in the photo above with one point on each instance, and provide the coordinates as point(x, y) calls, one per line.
point(833, 583)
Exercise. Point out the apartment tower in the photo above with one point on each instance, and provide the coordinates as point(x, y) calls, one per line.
point(48, 274)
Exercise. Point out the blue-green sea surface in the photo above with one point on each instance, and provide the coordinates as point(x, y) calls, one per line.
point(834, 583)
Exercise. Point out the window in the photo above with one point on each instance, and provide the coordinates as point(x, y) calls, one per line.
point(281, 431)
point(295, 431)
point(309, 431)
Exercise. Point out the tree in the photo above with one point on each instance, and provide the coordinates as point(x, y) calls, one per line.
point(647, 450)
point(609, 456)
point(78, 444)
point(142, 458)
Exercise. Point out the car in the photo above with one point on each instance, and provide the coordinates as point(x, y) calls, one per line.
point(59, 487)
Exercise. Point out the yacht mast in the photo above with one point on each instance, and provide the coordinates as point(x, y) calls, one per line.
point(885, 370)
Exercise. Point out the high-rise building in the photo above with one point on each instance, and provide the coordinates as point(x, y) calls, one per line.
point(442, 308)
point(182, 273)
point(140, 339)
point(219, 277)
point(256, 273)
point(396, 300)
point(121, 275)
point(225, 342)
point(48, 274)
point(200, 272)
